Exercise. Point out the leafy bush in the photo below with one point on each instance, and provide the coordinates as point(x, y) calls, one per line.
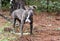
point(53, 5)
point(5, 4)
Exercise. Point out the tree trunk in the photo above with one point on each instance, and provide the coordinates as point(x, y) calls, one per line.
point(21, 3)
point(16, 4)
point(0, 4)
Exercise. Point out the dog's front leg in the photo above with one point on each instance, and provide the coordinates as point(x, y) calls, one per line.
point(21, 27)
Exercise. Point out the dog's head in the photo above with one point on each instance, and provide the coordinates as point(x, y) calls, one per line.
point(33, 7)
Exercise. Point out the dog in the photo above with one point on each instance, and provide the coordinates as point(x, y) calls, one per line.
point(23, 16)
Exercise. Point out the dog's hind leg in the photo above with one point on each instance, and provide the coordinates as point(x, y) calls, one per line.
point(31, 24)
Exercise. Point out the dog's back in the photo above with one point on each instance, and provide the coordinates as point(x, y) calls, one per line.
point(19, 13)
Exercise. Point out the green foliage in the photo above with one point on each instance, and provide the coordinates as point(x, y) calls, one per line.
point(53, 6)
point(4, 40)
point(5, 4)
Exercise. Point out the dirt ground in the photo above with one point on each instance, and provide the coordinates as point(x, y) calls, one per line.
point(46, 27)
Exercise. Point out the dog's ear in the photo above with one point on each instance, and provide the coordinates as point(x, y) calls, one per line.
point(34, 6)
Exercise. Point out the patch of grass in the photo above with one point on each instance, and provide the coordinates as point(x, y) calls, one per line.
point(7, 24)
point(6, 36)
point(4, 39)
